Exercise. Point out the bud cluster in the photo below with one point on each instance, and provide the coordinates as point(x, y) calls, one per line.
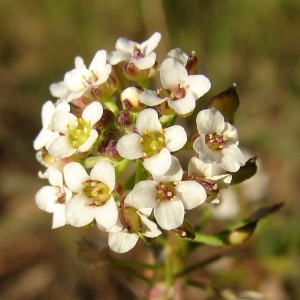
point(109, 145)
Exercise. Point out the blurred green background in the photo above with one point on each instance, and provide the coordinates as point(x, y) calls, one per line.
point(254, 44)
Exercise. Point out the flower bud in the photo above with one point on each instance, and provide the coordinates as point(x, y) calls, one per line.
point(130, 99)
point(111, 150)
point(186, 231)
point(191, 64)
point(226, 103)
point(131, 72)
point(124, 119)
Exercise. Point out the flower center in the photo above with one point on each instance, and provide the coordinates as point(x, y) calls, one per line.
point(129, 219)
point(98, 191)
point(61, 197)
point(209, 186)
point(137, 54)
point(77, 136)
point(152, 142)
point(179, 93)
point(215, 141)
point(90, 80)
point(165, 191)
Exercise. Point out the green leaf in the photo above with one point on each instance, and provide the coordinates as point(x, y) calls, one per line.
point(227, 103)
point(245, 172)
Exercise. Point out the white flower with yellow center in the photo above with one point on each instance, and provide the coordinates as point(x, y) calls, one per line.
point(77, 133)
point(184, 89)
point(152, 143)
point(218, 141)
point(53, 198)
point(141, 55)
point(168, 196)
point(93, 195)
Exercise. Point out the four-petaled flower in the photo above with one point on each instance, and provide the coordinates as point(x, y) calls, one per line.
point(82, 79)
point(168, 196)
point(184, 89)
point(77, 133)
point(152, 143)
point(93, 195)
point(202, 173)
point(218, 141)
point(141, 55)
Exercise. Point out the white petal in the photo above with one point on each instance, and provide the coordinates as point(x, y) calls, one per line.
point(93, 112)
point(191, 193)
point(87, 145)
point(210, 121)
point(149, 45)
point(125, 45)
point(104, 172)
point(129, 146)
point(117, 56)
point(48, 110)
point(55, 177)
point(223, 181)
point(46, 198)
point(61, 120)
point(175, 137)
point(103, 76)
point(158, 164)
point(232, 158)
point(196, 166)
point(198, 85)
point(78, 213)
point(184, 105)
point(149, 227)
point(173, 174)
point(73, 79)
point(107, 214)
point(43, 138)
point(171, 71)
point(61, 148)
point(147, 120)
point(150, 98)
point(144, 194)
point(75, 176)
point(145, 62)
point(59, 216)
point(58, 89)
point(169, 214)
point(178, 54)
point(99, 61)
point(79, 63)
point(122, 242)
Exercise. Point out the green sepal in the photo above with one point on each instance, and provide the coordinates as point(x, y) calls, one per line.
point(227, 103)
point(245, 172)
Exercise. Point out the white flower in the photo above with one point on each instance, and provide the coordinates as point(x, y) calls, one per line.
point(184, 89)
point(93, 195)
point(47, 134)
point(53, 198)
point(132, 223)
point(218, 141)
point(168, 196)
point(202, 173)
point(77, 133)
point(152, 142)
point(82, 79)
point(141, 55)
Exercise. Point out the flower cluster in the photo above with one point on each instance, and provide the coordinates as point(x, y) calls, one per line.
point(110, 145)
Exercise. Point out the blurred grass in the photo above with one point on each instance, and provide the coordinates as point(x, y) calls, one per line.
point(252, 43)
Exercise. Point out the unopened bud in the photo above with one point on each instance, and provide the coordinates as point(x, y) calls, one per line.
point(191, 64)
point(130, 99)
